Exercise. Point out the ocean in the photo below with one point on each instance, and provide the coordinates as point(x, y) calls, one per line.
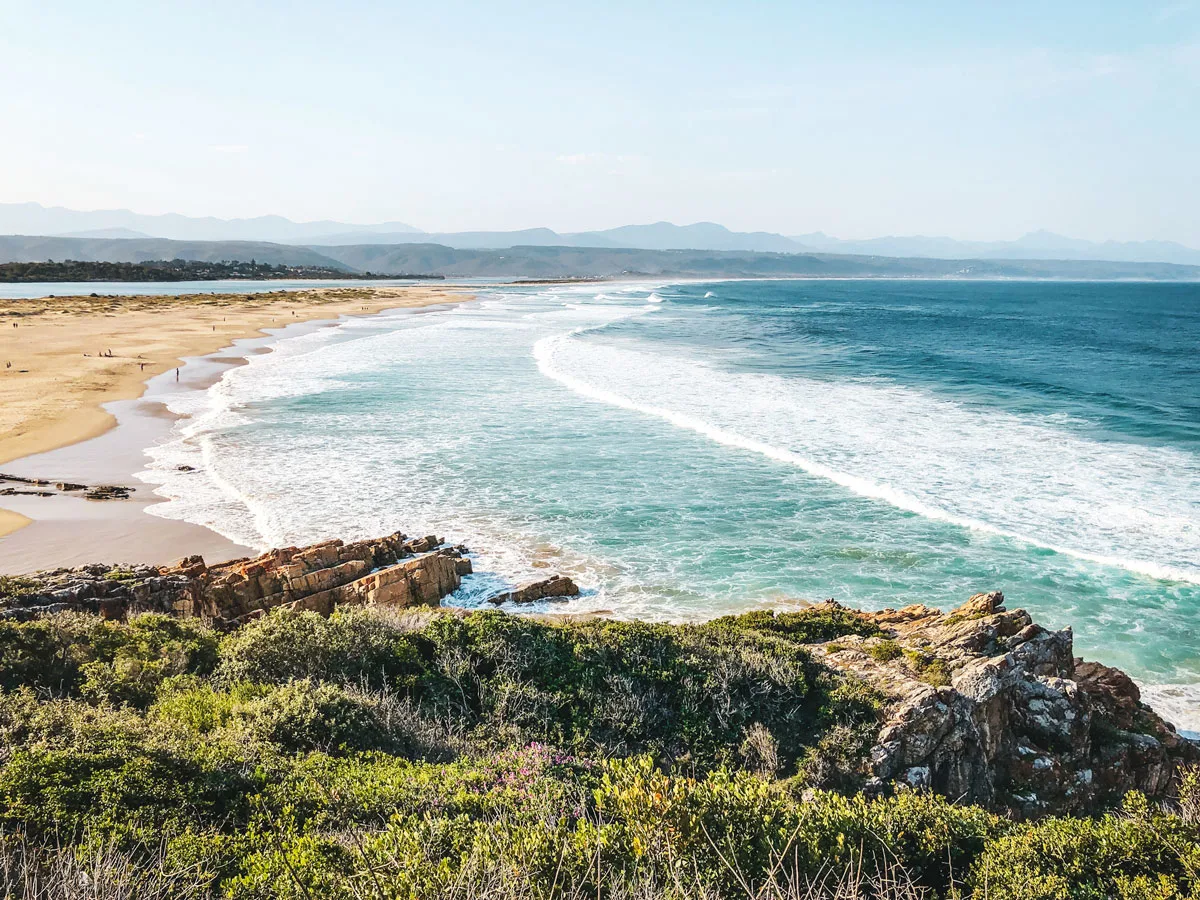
point(690, 450)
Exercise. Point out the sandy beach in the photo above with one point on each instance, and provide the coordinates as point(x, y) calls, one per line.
point(65, 359)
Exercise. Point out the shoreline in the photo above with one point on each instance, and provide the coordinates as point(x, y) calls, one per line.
point(97, 426)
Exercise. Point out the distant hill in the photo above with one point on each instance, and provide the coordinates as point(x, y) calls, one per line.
point(106, 233)
point(564, 262)
point(165, 270)
point(1035, 245)
point(701, 236)
point(33, 218)
point(27, 248)
point(659, 236)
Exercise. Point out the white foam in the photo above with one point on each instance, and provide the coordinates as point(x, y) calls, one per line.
point(1121, 505)
point(1179, 704)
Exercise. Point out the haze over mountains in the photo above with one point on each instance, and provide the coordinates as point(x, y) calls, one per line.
point(572, 262)
point(38, 220)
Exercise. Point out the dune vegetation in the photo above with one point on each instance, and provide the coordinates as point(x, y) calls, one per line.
point(378, 754)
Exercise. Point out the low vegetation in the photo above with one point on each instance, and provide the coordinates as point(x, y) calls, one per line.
point(423, 755)
point(173, 270)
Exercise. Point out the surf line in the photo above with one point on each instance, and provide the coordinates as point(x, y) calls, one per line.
point(544, 353)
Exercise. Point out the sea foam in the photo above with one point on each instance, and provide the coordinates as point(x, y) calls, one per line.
point(1115, 504)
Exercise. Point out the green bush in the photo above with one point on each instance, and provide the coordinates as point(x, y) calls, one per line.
point(13, 587)
point(352, 645)
point(461, 756)
point(1135, 856)
point(73, 654)
point(807, 626)
point(303, 715)
point(885, 650)
point(191, 703)
point(118, 791)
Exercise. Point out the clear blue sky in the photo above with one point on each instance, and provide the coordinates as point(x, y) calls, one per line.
point(971, 119)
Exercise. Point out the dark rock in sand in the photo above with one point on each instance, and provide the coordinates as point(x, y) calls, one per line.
point(108, 492)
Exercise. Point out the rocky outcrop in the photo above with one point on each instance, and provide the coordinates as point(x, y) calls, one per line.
point(389, 571)
point(987, 707)
point(547, 589)
point(39, 488)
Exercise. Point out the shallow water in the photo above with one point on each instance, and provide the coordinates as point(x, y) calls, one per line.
point(690, 450)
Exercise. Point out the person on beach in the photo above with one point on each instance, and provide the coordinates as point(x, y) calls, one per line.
point(177, 373)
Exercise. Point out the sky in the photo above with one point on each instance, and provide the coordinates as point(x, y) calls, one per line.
point(973, 120)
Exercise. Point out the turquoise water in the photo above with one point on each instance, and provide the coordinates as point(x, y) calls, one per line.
point(688, 450)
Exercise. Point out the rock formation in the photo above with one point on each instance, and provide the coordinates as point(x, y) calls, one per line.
point(550, 588)
point(39, 488)
point(390, 570)
point(985, 706)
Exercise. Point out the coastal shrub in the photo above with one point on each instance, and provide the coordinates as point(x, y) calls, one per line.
point(684, 693)
point(119, 791)
point(638, 829)
point(1189, 795)
point(13, 587)
point(47, 652)
point(469, 755)
point(816, 624)
point(306, 715)
point(145, 652)
point(102, 872)
point(191, 703)
point(885, 650)
point(687, 694)
point(72, 654)
point(30, 720)
point(929, 668)
point(1136, 855)
point(352, 645)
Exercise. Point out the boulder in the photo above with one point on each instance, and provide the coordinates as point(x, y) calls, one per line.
point(547, 589)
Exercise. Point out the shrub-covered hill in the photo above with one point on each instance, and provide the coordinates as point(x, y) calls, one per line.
point(430, 754)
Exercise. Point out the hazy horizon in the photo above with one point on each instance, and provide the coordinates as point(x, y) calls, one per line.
point(416, 227)
point(863, 121)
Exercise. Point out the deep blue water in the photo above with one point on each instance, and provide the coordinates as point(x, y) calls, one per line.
point(686, 450)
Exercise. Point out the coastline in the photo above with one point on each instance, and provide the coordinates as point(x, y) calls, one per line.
point(60, 416)
point(52, 394)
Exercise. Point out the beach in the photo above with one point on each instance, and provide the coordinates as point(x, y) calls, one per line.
point(71, 365)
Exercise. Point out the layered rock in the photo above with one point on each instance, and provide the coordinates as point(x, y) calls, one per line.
point(985, 706)
point(391, 570)
point(552, 588)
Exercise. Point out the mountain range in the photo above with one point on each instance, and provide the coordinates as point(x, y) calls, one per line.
point(35, 219)
point(536, 262)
